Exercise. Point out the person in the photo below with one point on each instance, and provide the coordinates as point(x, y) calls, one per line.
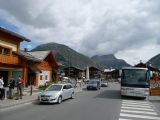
point(19, 88)
point(2, 90)
point(11, 88)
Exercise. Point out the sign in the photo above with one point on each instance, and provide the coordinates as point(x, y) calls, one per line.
point(155, 86)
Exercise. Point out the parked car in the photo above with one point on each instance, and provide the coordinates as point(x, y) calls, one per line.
point(94, 84)
point(104, 83)
point(56, 93)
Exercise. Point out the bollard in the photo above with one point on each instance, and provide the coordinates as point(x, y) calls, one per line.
point(5, 94)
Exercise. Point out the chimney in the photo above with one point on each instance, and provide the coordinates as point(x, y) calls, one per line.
point(25, 50)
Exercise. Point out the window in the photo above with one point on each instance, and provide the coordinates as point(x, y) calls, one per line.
point(41, 77)
point(5, 51)
point(46, 77)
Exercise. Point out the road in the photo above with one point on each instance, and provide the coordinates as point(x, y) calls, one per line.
point(105, 104)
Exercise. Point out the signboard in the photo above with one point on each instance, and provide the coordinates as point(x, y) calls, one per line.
point(155, 86)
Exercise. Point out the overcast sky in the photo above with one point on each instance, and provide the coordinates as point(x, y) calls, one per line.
point(130, 29)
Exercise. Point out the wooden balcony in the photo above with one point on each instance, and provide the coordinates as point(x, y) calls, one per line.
point(9, 59)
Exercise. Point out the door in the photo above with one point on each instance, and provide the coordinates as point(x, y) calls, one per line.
point(65, 92)
point(4, 74)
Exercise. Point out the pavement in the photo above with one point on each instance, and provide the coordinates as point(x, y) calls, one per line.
point(27, 98)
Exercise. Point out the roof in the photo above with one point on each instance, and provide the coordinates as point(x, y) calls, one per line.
point(138, 68)
point(22, 38)
point(27, 56)
point(41, 55)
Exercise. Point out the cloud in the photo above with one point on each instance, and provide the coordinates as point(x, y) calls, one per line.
point(90, 26)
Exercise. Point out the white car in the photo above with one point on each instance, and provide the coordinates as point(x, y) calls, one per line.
point(56, 93)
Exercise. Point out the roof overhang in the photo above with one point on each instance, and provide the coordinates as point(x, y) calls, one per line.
point(20, 37)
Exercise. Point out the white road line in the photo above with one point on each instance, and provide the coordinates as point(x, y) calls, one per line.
point(139, 116)
point(131, 101)
point(142, 106)
point(124, 119)
point(15, 106)
point(141, 112)
point(146, 109)
point(135, 103)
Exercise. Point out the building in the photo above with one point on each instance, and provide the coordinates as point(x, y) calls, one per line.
point(10, 64)
point(74, 72)
point(41, 67)
point(94, 72)
point(34, 67)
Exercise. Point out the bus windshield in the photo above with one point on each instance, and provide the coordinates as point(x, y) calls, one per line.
point(134, 77)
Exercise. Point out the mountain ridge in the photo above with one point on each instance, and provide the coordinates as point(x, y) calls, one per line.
point(110, 61)
point(67, 56)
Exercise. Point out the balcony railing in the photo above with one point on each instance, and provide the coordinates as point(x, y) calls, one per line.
point(9, 59)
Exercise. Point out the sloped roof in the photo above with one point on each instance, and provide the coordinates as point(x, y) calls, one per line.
point(27, 56)
point(22, 38)
point(41, 55)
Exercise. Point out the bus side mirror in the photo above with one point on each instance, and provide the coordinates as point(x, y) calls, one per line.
point(151, 74)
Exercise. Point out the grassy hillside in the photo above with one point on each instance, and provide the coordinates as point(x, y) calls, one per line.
point(68, 56)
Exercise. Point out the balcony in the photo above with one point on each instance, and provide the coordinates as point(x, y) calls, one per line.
point(9, 59)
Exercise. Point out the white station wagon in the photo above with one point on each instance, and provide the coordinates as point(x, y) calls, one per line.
point(56, 93)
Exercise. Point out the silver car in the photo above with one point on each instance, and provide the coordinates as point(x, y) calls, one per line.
point(56, 93)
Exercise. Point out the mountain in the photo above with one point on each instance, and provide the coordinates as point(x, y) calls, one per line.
point(155, 61)
point(110, 61)
point(67, 56)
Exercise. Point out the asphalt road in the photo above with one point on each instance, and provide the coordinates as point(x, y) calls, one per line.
point(105, 104)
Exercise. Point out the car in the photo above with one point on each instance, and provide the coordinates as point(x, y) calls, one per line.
point(104, 84)
point(56, 93)
point(94, 84)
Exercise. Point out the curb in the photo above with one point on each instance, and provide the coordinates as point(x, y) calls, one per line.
point(27, 101)
point(17, 104)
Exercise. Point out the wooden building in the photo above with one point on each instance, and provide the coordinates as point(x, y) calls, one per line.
point(41, 67)
point(34, 67)
point(74, 72)
point(94, 72)
point(10, 64)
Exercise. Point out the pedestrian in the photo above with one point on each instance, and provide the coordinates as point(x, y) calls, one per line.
point(19, 88)
point(11, 87)
point(2, 90)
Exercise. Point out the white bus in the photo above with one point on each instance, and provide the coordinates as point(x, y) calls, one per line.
point(135, 82)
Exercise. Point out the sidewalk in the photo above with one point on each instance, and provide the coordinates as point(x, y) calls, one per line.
point(27, 98)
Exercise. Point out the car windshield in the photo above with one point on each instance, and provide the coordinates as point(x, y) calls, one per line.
point(54, 88)
point(92, 82)
point(134, 77)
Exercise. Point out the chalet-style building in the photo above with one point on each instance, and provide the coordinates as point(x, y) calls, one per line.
point(34, 67)
point(94, 72)
point(111, 74)
point(74, 72)
point(10, 64)
point(41, 67)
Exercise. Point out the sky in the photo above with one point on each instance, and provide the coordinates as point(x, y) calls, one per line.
point(129, 29)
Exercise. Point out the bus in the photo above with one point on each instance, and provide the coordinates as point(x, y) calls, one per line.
point(135, 82)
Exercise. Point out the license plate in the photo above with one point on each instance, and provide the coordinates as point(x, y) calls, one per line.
point(44, 98)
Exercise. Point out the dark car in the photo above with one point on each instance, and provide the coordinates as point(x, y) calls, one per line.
point(94, 84)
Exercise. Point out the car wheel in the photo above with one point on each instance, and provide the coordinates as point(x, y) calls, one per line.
point(59, 100)
point(72, 95)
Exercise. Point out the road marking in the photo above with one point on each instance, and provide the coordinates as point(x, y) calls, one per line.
point(135, 103)
point(139, 116)
point(15, 106)
point(141, 106)
point(131, 101)
point(131, 110)
point(124, 119)
point(146, 109)
point(141, 112)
